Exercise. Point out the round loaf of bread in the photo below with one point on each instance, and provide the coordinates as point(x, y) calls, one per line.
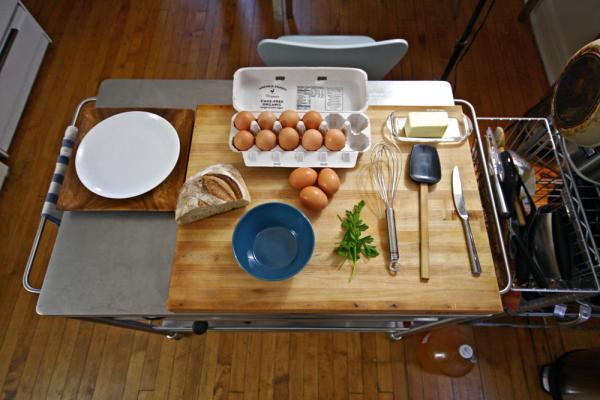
point(214, 190)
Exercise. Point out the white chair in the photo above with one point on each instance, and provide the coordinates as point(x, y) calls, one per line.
point(375, 58)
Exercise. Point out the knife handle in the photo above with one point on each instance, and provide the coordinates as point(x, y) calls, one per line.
point(475, 265)
point(392, 240)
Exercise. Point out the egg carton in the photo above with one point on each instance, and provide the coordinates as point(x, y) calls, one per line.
point(338, 94)
point(355, 126)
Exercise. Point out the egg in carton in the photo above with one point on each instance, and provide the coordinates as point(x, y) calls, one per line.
point(312, 139)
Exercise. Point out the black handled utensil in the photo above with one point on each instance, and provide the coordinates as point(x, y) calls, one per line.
point(424, 169)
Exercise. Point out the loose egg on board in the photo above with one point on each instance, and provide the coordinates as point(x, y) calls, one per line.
point(266, 119)
point(243, 140)
point(312, 140)
point(313, 198)
point(243, 119)
point(288, 138)
point(335, 139)
point(303, 177)
point(312, 120)
point(266, 140)
point(328, 181)
point(289, 119)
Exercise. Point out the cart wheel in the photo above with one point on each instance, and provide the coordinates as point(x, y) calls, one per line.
point(174, 336)
point(395, 336)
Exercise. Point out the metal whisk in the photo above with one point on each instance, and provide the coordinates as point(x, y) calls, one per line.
point(386, 168)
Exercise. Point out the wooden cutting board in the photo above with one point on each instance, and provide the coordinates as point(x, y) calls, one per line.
point(206, 278)
point(76, 197)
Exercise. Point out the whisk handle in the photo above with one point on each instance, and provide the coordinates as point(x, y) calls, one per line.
point(390, 216)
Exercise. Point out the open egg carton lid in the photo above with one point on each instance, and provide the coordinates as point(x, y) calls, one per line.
point(339, 94)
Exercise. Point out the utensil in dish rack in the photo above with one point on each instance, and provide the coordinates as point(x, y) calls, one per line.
point(386, 167)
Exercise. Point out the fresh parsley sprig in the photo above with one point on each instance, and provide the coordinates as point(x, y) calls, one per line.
point(352, 245)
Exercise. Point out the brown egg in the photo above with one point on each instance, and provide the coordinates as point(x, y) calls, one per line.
point(312, 140)
point(303, 177)
point(266, 140)
point(335, 139)
point(289, 119)
point(288, 138)
point(313, 198)
point(328, 181)
point(266, 119)
point(312, 120)
point(242, 120)
point(243, 140)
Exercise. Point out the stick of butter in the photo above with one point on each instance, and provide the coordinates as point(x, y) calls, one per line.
point(427, 124)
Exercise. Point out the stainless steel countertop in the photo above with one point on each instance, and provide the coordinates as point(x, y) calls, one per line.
point(119, 264)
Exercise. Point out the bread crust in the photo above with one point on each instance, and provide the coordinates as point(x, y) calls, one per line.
point(214, 190)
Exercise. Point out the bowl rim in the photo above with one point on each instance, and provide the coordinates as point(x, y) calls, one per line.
point(271, 204)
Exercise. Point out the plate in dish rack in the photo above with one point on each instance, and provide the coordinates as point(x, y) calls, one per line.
point(127, 154)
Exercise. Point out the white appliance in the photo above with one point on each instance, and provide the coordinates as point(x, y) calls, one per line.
point(3, 173)
point(22, 46)
point(562, 27)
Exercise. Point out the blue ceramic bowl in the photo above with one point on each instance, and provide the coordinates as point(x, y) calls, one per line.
point(273, 241)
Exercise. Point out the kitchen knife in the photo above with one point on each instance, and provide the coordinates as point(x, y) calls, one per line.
point(497, 173)
point(461, 209)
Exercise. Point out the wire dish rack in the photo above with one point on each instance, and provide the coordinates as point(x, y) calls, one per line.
point(555, 186)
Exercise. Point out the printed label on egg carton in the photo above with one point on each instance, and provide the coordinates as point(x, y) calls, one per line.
point(354, 126)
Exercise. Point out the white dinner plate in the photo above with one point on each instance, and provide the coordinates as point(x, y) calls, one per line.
point(127, 154)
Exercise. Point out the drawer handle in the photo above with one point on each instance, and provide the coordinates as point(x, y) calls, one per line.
point(10, 39)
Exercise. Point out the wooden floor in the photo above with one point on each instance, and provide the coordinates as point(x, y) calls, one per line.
point(200, 39)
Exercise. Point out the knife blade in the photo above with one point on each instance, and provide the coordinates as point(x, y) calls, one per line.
point(495, 154)
point(497, 173)
point(461, 209)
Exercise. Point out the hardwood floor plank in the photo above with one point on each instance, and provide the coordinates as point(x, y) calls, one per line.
point(238, 362)
point(281, 373)
point(267, 366)
point(369, 364)
point(414, 373)
point(341, 389)
point(224, 360)
point(209, 366)
point(165, 368)
point(399, 370)
point(310, 367)
point(325, 365)
point(179, 369)
point(78, 360)
point(530, 365)
point(253, 362)
point(296, 359)
point(60, 369)
point(51, 354)
point(151, 360)
point(115, 363)
point(384, 366)
point(194, 367)
point(93, 360)
point(355, 374)
point(16, 352)
point(136, 366)
point(515, 362)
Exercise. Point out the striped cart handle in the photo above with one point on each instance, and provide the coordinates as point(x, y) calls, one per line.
point(49, 210)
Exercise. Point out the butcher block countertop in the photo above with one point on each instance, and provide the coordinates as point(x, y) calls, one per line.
point(205, 277)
